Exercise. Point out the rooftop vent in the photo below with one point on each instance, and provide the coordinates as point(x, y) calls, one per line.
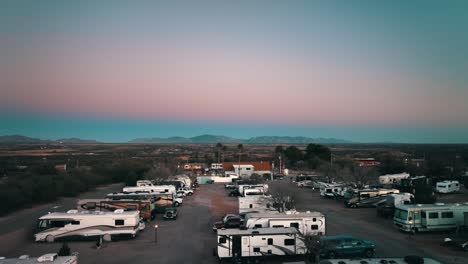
point(439, 204)
point(72, 211)
point(119, 211)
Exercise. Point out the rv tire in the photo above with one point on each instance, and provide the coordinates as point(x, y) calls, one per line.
point(190, 194)
point(176, 204)
point(331, 255)
point(50, 238)
point(369, 253)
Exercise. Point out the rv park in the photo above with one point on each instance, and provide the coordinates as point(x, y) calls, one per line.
point(190, 237)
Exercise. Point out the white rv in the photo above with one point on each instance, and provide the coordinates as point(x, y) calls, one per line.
point(307, 223)
point(152, 189)
point(51, 258)
point(331, 190)
point(392, 178)
point(257, 203)
point(448, 187)
point(183, 178)
point(161, 199)
point(256, 243)
point(144, 183)
point(54, 226)
point(430, 217)
point(242, 187)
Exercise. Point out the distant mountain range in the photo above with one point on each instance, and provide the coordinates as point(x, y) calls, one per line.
point(19, 139)
point(203, 139)
point(212, 139)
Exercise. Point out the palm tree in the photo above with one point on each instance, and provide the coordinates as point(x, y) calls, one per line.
point(240, 147)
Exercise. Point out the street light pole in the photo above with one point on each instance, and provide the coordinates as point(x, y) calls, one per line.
point(156, 234)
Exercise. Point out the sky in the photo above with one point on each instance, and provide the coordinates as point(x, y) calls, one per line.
point(366, 71)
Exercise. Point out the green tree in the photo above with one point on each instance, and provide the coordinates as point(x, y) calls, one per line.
point(293, 155)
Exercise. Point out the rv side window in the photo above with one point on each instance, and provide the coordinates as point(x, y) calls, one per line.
point(222, 240)
point(119, 222)
point(278, 226)
point(447, 214)
point(57, 223)
point(423, 214)
point(314, 227)
point(268, 205)
point(256, 249)
point(289, 242)
point(314, 219)
point(433, 215)
point(258, 225)
point(270, 241)
point(296, 225)
point(250, 206)
point(75, 222)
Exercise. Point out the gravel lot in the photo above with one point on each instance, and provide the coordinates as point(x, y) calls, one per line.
point(189, 239)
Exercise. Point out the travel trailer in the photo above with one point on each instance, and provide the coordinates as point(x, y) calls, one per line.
point(387, 208)
point(307, 223)
point(447, 187)
point(390, 179)
point(145, 207)
point(53, 226)
point(161, 199)
point(430, 217)
point(242, 187)
point(51, 258)
point(330, 190)
point(253, 192)
point(405, 260)
point(259, 243)
point(182, 178)
point(257, 203)
point(151, 189)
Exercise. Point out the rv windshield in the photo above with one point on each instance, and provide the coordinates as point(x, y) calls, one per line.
point(401, 214)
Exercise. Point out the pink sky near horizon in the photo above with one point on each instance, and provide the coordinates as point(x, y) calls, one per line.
point(230, 84)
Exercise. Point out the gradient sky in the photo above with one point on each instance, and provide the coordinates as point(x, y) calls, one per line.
point(115, 70)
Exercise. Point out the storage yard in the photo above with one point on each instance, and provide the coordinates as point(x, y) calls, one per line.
point(190, 239)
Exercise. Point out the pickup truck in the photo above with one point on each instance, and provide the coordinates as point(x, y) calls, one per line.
point(229, 221)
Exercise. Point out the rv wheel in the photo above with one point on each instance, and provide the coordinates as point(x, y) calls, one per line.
point(176, 204)
point(50, 238)
point(369, 253)
point(352, 206)
point(331, 255)
point(190, 194)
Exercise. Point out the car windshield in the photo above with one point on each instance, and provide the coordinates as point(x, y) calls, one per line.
point(401, 214)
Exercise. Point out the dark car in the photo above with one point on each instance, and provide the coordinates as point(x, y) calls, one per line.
point(170, 213)
point(234, 193)
point(229, 221)
point(340, 246)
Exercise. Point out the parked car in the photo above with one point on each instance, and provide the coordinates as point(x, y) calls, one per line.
point(170, 213)
point(230, 186)
point(234, 193)
point(339, 246)
point(304, 184)
point(186, 190)
point(229, 221)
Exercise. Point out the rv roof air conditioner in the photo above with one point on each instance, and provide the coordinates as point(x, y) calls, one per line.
point(72, 211)
point(47, 258)
point(119, 211)
point(439, 204)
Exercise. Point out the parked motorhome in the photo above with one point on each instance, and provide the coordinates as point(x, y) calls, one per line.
point(53, 226)
point(430, 217)
point(308, 223)
point(330, 190)
point(447, 187)
point(51, 258)
point(368, 193)
point(390, 179)
point(253, 192)
point(147, 208)
point(421, 187)
point(259, 243)
point(387, 208)
point(405, 260)
point(258, 203)
point(151, 189)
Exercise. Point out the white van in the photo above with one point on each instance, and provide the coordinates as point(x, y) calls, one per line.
point(448, 187)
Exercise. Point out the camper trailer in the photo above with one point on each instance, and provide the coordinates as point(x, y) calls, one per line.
point(308, 223)
point(448, 187)
point(430, 217)
point(145, 207)
point(390, 179)
point(369, 197)
point(53, 226)
point(152, 189)
point(331, 190)
point(257, 203)
point(242, 187)
point(160, 199)
point(182, 178)
point(51, 258)
point(259, 243)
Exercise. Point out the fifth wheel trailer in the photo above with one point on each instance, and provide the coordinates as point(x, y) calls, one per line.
point(259, 243)
point(147, 208)
point(307, 223)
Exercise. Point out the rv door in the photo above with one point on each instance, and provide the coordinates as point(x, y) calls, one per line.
point(237, 246)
